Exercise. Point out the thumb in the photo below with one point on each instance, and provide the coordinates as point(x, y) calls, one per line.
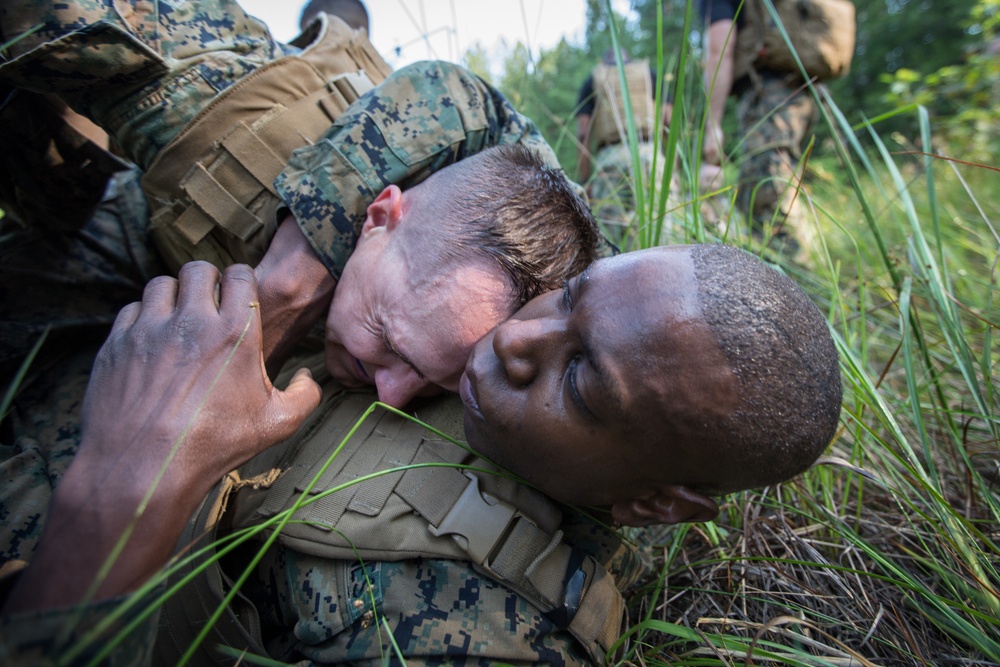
point(289, 408)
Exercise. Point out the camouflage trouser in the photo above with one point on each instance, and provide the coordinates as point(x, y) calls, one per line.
point(775, 117)
point(140, 70)
point(612, 192)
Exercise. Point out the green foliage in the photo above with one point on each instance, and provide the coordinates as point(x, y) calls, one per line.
point(547, 92)
point(963, 98)
point(919, 35)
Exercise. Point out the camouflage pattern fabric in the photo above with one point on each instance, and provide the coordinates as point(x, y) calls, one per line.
point(37, 639)
point(75, 281)
point(611, 190)
point(144, 74)
point(438, 612)
point(775, 115)
point(44, 427)
point(140, 70)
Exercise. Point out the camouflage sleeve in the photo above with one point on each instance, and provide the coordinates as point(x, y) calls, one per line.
point(420, 119)
point(66, 636)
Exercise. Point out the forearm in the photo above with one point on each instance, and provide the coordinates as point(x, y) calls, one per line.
point(93, 509)
point(295, 291)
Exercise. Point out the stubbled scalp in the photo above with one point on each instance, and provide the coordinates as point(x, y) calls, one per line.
point(505, 206)
point(780, 348)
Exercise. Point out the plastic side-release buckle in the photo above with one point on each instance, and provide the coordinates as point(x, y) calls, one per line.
point(477, 521)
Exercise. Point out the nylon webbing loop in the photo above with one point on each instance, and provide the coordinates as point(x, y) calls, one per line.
point(243, 167)
point(568, 586)
point(219, 205)
point(212, 188)
point(254, 155)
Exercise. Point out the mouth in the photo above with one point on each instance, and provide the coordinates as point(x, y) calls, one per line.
point(467, 392)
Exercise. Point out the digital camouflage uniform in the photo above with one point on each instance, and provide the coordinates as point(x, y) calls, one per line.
point(312, 609)
point(776, 113)
point(157, 66)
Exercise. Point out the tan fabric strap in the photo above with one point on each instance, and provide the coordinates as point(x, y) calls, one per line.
point(212, 188)
point(567, 585)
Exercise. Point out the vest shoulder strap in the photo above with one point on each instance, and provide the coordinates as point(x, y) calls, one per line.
point(393, 489)
point(211, 189)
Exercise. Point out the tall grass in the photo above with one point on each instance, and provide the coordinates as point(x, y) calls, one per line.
point(887, 551)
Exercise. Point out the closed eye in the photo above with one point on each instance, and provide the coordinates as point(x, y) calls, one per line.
point(574, 392)
point(389, 345)
point(567, 297)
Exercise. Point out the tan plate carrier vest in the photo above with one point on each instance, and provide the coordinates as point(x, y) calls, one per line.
point(508, 531)
point(211, 189)
point(822, 32)
point(609, 103)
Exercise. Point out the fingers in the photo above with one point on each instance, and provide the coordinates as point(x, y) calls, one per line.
point(159, 297)
point(238, 290)
point(289, 408)
point(126, 318)
point(198, 286)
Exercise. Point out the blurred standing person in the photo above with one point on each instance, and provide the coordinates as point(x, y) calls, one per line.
point(601, 131)
point(747, 56)
point(351, 12)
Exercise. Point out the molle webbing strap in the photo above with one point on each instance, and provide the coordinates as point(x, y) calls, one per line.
point(570, 587)
point(212, 188)
point(507, 530)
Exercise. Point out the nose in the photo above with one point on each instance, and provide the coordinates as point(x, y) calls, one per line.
point(397, 385)
point(523, 345)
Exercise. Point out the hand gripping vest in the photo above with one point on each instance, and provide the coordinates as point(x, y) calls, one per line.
point(609, 108)
point(510, 532)
point(211, 189)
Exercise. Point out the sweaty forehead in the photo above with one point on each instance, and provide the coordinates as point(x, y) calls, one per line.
point(650, 286)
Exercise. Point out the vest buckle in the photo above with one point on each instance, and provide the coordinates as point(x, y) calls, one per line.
point(477, 521)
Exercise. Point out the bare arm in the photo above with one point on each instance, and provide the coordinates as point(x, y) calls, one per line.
point(719, 59)
point(181, 378)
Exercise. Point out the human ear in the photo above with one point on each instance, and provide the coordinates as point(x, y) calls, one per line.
point(668, 504)
point(386, 211)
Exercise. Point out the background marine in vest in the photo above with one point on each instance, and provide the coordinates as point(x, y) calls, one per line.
point(746, 56)
point(603, 143)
